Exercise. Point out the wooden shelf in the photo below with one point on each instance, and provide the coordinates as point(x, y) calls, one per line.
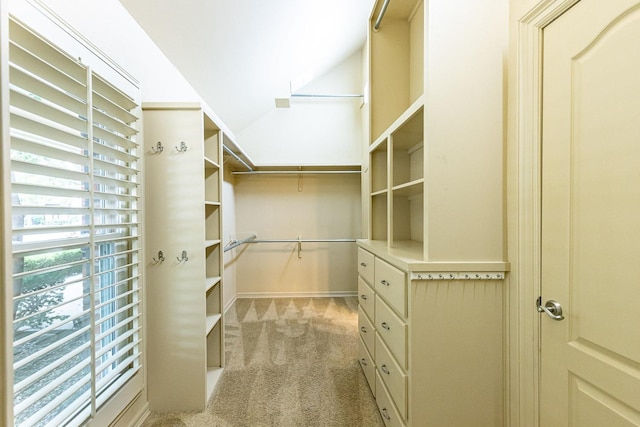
point(213, 377)
point(398, 160)
point(210, 243)
point(380, 192)
point(212, 321)
point(413, 188)
point(210, 282)
point(208, 163)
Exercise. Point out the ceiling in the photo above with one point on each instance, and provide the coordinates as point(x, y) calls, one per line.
point(242, 54)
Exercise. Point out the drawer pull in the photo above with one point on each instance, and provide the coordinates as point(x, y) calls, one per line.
point(384, 369)
point(385, 414)
point(363, 361)
point(384, 282)
point(363, 329)
point(386, 326)
point(363, 296)
point(364, 264)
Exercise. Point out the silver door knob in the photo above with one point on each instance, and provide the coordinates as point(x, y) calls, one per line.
point(552, 308)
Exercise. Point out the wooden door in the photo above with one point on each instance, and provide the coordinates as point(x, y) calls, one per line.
point(590, 360)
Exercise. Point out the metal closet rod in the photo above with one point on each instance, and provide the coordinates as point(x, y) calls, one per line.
point(376, 27)
point(299, 242)
point(328, 95)
point(276, 172)
point(235, 156)
point(235, 243)
point(302, 241)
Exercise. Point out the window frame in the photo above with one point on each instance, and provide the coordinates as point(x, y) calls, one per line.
point(128, 389)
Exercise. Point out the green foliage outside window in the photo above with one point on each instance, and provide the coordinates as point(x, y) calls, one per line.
point(36, 307)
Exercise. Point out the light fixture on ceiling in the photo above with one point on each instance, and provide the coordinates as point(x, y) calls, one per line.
point(283, 102)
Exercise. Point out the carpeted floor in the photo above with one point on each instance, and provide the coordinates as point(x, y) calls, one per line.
point(290, 362)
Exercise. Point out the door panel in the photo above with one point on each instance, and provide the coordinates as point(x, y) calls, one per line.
point(592, 407)
point(590, 361)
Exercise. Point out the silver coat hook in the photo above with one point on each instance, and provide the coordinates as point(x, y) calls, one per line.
point(183, 147)
point(160, 258)
point(183, 257)
point(159, 148)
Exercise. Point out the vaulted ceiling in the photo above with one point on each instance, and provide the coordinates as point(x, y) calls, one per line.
point(242, 54)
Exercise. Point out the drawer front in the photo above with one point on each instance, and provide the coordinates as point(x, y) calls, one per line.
point(393, 332)
point(391, 285)
point(389, 413)
point(366, 265)
point(366, 299)
point(367, 365)
point(393, 377)
point(367, 331)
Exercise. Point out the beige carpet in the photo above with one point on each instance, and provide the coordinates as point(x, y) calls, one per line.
point(289, 362)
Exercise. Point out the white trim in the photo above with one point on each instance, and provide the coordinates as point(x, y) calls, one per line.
point(317, 294)
point(457, 275)
point(525, 253)
point(118, 406)
point(67, 28)
point(230, 303)
point(6, 294)
point(144, 414)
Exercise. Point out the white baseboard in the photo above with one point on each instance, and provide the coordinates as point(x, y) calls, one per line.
point(134, 415)
point(310, 294)
point(143, 417)
point(230, 303)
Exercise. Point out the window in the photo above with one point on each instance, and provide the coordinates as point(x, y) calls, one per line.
point(76, 235)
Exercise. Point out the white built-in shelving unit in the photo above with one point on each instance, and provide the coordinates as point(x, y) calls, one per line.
point(431, 269)
point(184, 284)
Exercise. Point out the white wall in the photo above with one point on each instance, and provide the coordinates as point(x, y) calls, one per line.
point(312, 131)
point(328, 206)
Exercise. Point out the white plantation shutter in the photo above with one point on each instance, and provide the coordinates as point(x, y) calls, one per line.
point(76, 234)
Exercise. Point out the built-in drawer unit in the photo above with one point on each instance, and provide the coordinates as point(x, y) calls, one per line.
point(393, 332)
point(383, 335)
point(393, 376)
point(367, 331)
point(391, 285)
point(366, 298)
point(366, 265)
point(388, 411)
point(437, 338)
point(368, 365)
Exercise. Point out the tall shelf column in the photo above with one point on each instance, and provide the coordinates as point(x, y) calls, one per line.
point(183, 284)
point(213, 138)
point(431, 269)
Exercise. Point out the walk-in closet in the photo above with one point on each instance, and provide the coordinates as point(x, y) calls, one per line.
point(306, 213)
